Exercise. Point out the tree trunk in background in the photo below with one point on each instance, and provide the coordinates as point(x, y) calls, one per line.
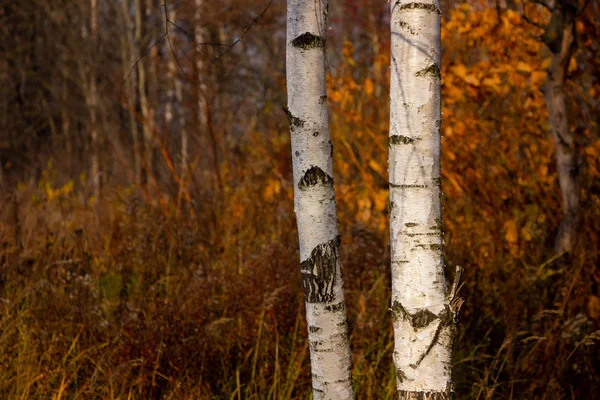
point(171, 72)
point(154, 140)
point(175, 94)
point(199, 33)
point(93, 102)
point(145, 107)
point(560, 39)
point(128, 46)
point(184, 140)
point(423, 316)
point(1, 173)
point(314, 200)
point(66, 124)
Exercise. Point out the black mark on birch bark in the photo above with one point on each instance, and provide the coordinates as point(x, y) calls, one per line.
point(314, 176)
point(419, 6)
point(408, 395)
point(318, 272)
point(314, 329)
point(432, 70)
point(408, 186)
point(446, 317)
point(336, 307)
point(399, 139)
point(308, 41)
point(418, 320)
point(295, 122)
point(406, 26)
point(400, 375)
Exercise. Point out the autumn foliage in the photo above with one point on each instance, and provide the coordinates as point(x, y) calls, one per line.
point(150, 295)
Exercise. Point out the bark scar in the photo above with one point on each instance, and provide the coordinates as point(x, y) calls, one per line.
point(319, 271)
point(314, 176)
point(448, 317)
point(308, 41)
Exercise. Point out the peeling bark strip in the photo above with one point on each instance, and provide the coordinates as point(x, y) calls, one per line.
point(308, 41)
point(422, 312)
point(318, 274)
point(314, 200)
point(314, 176)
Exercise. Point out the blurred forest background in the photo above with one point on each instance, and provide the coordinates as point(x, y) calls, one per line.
point(148, 247)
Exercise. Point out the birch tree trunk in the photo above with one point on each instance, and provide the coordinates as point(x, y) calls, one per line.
point(560, 39)
point(314, 200)
point(423, 314)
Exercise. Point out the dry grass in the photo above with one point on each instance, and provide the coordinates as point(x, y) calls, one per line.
point(125, 300)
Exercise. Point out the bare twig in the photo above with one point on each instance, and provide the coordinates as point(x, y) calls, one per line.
point(166, 34)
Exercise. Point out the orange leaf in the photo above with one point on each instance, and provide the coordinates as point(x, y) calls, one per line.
point(511, 232)
point(369, 86)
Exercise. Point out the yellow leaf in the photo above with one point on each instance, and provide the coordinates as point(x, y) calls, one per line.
point(459, 70)
point(493, 82)
point(369, 86)
point(375, 166)
point(380, 200)
point(538, 78)
point(471, 80)
point(546, 63)
point(523, 67)
point(273, 188)
point(526, 234)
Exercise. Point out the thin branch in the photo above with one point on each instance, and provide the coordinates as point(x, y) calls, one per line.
point(532, 22)
point(256, 19)
point(543, 3)
point(166, 6)
point(166, 34)
point(191, 35)
point(144, 53)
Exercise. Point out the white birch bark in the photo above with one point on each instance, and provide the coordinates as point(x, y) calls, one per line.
point(423, 316)
point(314, 200)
